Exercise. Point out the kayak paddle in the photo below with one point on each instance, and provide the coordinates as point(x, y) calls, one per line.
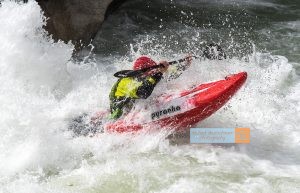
point(212, 51)
point(133, 73)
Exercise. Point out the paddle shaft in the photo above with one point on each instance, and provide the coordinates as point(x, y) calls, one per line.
point(133, 73)
point(161, 65)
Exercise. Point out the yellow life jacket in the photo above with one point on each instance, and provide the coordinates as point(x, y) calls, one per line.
point(127, 87)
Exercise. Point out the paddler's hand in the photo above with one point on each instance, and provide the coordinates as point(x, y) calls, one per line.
point(165, 68)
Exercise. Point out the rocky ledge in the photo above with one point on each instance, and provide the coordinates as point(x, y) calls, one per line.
point(76, 20)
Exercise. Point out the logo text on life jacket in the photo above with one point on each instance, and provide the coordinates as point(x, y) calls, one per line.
point(169, 110)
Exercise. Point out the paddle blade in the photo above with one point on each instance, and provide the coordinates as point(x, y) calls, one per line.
point(123, 73)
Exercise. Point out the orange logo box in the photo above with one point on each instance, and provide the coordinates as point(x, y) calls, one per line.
point(242, 135)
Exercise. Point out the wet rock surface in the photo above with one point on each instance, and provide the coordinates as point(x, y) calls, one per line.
point(76, 20)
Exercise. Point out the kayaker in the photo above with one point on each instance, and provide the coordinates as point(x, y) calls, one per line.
point(126, 90)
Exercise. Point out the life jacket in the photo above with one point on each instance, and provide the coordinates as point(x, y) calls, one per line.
point(126, 90)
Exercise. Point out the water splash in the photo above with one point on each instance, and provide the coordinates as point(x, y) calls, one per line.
point(41, 89)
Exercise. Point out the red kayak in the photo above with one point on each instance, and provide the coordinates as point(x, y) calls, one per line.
point(180, 111)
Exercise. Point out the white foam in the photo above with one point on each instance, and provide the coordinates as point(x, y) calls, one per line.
point(41, 89)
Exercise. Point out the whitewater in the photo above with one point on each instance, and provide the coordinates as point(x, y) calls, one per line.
point(43, 88)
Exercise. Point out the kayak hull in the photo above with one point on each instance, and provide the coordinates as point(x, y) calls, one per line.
point(182, 111)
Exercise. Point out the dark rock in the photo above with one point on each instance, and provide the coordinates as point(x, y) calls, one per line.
point(75, 20)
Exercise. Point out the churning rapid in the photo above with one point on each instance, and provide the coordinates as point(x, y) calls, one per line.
point(43, 88)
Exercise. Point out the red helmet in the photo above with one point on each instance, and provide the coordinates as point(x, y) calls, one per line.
point(143, 62)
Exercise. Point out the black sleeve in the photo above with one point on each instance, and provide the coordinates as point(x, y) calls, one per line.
point(145, 90)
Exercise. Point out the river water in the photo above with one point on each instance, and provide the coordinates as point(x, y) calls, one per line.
point(43, 88)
